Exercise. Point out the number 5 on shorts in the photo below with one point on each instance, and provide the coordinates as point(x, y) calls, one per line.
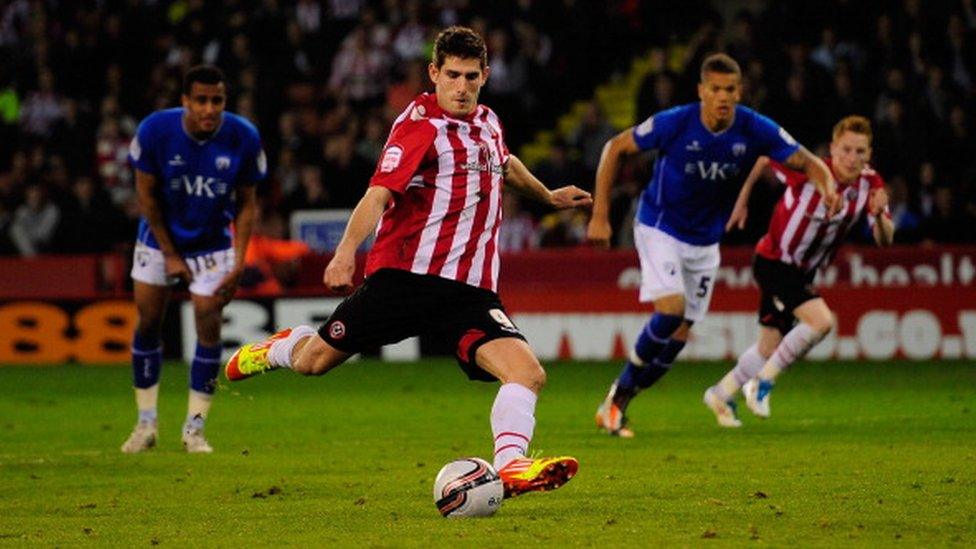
point(703, 286)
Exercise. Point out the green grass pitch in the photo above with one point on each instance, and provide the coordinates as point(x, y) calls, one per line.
point(855, 454)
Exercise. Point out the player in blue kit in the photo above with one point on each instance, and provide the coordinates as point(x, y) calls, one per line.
point(705, 151)
point(196, 169)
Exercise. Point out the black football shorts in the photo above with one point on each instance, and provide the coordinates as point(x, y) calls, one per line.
point(782, 289)
point(393, 304)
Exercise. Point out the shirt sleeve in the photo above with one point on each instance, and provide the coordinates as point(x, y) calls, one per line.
point(403, 153)
point(254, 162)
point(787, 176)
point(142, 156)
point(657, 130)
point(772, 140)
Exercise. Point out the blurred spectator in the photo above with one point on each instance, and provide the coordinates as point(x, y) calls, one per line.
point(272, 260)
point(593, 133)
point(90, 223)
point(42, 108)
point(35, 222)
point(563, 228)
point(946, 220)
point(906, 220)
point(310, 194)
point(359, 71)
point(400, 94)
point(518, 231)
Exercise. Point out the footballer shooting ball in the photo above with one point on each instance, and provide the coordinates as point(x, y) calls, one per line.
point(468, 487)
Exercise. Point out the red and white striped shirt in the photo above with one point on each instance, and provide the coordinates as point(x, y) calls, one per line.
point(446, 176)
point(799, 232)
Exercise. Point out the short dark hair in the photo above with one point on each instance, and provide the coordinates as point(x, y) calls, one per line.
point(461, 42)
point(204, 74)
point(720, 63)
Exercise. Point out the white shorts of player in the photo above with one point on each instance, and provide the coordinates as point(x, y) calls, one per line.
point(670, 266)
point(208, 268)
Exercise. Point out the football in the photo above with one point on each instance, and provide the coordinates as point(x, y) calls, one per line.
point(468, 487)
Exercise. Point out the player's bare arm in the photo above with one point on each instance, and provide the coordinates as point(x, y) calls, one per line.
point(247, 205)
point(740, 212)
point(598, 232)
point(818, 172)
point(340, 270)
point(146, 192)
point(519, 178)
point(884, 228)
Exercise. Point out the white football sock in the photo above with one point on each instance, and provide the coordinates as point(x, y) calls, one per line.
point(749, 364)
point(146, 400)
point(795, 345)
point(198, 404)
point(279, 354)
point(512, 422)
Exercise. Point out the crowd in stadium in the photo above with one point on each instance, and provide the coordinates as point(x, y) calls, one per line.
point(323, 80)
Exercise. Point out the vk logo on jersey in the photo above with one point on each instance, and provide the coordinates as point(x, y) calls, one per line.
point(712, 171)
point(200, 186)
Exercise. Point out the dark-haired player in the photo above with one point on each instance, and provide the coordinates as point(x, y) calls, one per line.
point(705, 150)
point(196, 169)
point(802, 238)
point(433, 269)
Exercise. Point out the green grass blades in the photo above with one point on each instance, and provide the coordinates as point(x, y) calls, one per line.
point(855, 454)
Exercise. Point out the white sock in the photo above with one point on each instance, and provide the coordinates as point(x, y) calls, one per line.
point(146, 403)
point(198, 405)
point(795, 345)
point(280, 352)
point(512, 422)
point(749, 364)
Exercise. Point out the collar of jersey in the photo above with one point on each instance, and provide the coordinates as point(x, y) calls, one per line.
point(735, 117)
point(194, 139)
point(434, 110)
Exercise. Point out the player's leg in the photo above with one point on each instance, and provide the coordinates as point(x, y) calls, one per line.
point(513, 418)
point(301, 349)
point(721, 396)
point(815, 322)
point(147, 352)
point(801, 316)
point(150, 294)
point(383, 310)
point(207, 317)
point(774, 321)
point(663, 283)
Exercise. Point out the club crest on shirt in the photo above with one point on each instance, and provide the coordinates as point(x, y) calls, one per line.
point(391, 159)
point(670, 268)
point(738, 149)
point(222, 162)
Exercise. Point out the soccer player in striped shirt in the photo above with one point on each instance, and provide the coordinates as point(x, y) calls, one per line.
point(704, 152)
point(433, 268)
point(802, 238)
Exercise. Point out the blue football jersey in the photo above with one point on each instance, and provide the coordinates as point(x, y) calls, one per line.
point(197, 179)
point(698, 174)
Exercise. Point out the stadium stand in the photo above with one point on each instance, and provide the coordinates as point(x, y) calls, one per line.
point(323, 80)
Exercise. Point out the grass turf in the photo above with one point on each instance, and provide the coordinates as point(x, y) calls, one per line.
point(856, 453)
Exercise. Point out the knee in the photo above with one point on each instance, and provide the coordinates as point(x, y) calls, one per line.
point(533, 377)
point(823, 325)
point(767, 345)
